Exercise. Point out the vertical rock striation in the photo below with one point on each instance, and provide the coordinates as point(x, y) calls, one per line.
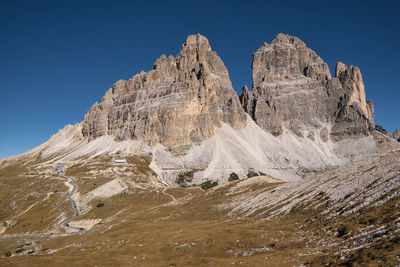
point(181, 102)
point(353, 115)
point(293, 89)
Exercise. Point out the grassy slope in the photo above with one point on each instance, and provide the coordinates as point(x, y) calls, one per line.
point(146, 231)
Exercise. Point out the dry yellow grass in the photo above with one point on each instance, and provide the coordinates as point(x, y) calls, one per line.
point(146, 227)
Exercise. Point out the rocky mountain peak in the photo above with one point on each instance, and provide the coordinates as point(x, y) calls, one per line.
point(288, 86)
point(293, 89)
point(282, 38)
point(287, 58)
point(181, 102)
point(196, 42)
point(340, 67)
point(352, 82)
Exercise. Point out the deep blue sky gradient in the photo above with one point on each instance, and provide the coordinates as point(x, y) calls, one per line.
point(59, 57)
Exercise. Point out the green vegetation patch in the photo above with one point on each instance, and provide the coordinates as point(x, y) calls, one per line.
point(208, 184)
point(19, 250)
point(233, 177)
point(184, 178)
point(252, 173)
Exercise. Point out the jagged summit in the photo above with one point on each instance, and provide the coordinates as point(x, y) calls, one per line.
point(185, 114)
point(293, 89)
point(282, 38)
point(181, 102)
point(186, 105)
point(196, 41)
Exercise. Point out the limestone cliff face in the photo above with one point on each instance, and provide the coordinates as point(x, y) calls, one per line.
point(181, 102)
point(293, 89)
point(352, 114)
point(184, 99)
point(288, 89)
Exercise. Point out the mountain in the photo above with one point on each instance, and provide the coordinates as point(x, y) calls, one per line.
point(180, 103)
point(293, 89)
point(172, 168)
point(185, 115)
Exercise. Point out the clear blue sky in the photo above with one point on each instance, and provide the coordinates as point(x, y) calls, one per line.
point(59, 57)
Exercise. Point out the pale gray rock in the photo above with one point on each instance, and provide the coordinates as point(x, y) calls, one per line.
point(293, 89)
point(354, 115)
point(288, 88)
point(181, 102)
point(340, 67)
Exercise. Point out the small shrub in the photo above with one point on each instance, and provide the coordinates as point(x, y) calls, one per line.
point(8, 254)
point(31, 252)
point(19, 250)
point(184, 178)
point(322, 193)
point(101, 204)
point(208, 184)
point(233, 177)
point(45, 249)
point(252, 173)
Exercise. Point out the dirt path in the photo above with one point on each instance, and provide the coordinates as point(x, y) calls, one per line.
point(72, 189)
point(165, 193)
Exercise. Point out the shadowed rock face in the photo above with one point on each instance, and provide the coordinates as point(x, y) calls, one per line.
point(181, 102)
point(352, 114)
point(293, 89)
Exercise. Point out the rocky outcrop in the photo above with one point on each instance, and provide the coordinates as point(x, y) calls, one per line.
point(396, 135)
point(184, 99)
point(382, 130)
point(353, 115)
point(293, 89)
point(186, 116)
point(181, 102)
point(287, 86)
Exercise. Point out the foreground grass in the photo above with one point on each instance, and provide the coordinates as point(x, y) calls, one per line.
point(145, 227)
